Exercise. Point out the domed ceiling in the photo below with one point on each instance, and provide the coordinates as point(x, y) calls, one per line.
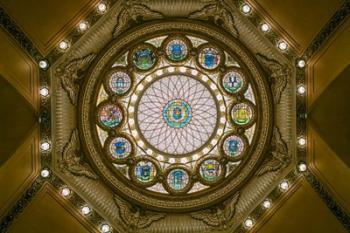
point(193, 115)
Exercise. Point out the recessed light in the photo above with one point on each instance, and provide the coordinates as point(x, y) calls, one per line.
point(63, 45)
point(265, 27)
point(45, 173)
point(266, 204)
point(105, 228)
point(44, 92)
point(85, 210)
point(246, 9)
point(302, 167)
point(301, 63)
point(83, 26)
point(302, 141)
point(45, 146)
point(301, 89)
point(248, 223)
point(65, 192)
point(102, 7)
point(282, 45)
point(43, 64)
point(284, 185)
point(194, 72)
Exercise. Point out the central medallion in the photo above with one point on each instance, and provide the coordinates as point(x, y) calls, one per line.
point(177, 113)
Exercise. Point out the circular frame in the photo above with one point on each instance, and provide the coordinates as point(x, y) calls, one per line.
point(110, 156)
point(206, 182)
point(243, 153)
point(195, 201)
point(188, 185)
point(107, 78)
point(135, 179)
point(243, 89)
point(220, 52)
point(254, 115)
point(98, 121)
point(179, 37)
point(138, 47)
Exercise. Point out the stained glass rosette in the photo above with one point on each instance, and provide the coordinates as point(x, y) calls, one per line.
point(243, 114)
point(233, 82)
point(176, 48)
point(109, 115)
point(234, 146)
point(144, 172)
point(118, 82)
point(178, 180)
point(209, 57)
point(210, 171)
point(119, 148)
point(143, 57)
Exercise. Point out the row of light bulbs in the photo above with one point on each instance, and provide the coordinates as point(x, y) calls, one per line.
point(85, 210)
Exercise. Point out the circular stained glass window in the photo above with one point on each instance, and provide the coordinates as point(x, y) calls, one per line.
point(233, 82)
point(171, 133)
point(210, 170)
point(120, 148)
point(234, 146)
point(178, 179)
point(176, 49)
point(119, 82)
point(109, 115)
point(209, 57)
point(144, 57)
point(242, 114)
point(145, 172)
point(177, 114)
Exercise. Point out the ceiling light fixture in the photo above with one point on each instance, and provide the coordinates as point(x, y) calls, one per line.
point(63, 45)
point(266, 204)
point(301, 89)
point(83, 26)
point(301, 141)
point(248, 223)
point(302, 167)
point(284, 185)
point(105, 228)
point(45, 146)
point(85, 210)
point(102, 7)
point(45, 173)
point(246, 9)
point(43, 64)
point(282, 45)
point(65, 192)
point(301, 63)
point(44, 92)
point(265, 27)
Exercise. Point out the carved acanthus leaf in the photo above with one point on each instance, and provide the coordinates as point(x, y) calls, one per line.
point(72, 160)
point(220, 12)
point(133, 10)
point(133, 217)
point(278, 158)
point(218, 217)
point(71, 72)
point(278, 76)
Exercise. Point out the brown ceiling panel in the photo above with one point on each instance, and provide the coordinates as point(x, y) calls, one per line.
point(17, 119)
point(331, 60)
point(19, 171)
point(48, 212)
point(304, 212)
point(329, 118)
point(301, 19)
point(19, 69)
point(329, 168)
point(46, 22)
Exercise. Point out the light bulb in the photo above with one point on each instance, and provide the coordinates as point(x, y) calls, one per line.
point(248, 223)
point(45, 146)
point(102, 7)
point(301, 63)
point(246, 9)
point(83, 26)
point(44, 92)
point(284, 186)
point(85, 210)
point(267, 204)
point(301, 141)
point(302, 167)
point(301, 89)
point(63, 45)
point(45, 173)
point(43, 64)
point(105, 228)
point(265, 27)
point(65, 192)
point(282, 45)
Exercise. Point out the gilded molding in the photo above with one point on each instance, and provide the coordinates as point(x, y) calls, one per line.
point(219, 216)
point(134, 11)
point(135, 218)
point(278, 155)
point(72, 160)
point(278, 75)
point(71, 72)
point(220, 12)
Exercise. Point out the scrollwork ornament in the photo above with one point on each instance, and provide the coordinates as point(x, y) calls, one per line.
point(72, 160)
point(278, 76)
point(134, 11)
point(218, 217)
point(135, 218)
point(71, 72)
point(220, 12)
point(278, 155)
